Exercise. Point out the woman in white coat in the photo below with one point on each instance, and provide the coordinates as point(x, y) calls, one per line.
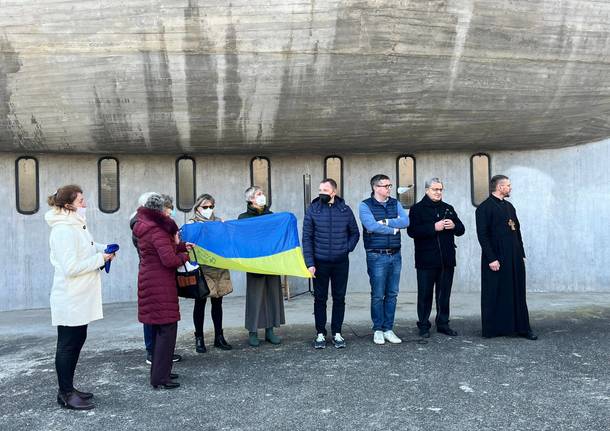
point(76, 295)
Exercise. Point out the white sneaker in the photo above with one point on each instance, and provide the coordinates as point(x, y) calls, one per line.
point(320, 342)
point(391, 337)
point(378, 337)
point(338, 341)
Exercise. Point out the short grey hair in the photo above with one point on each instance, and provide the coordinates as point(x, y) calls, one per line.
point(144, 197)
point(250, 192)
point(433, 180)
point(495, 180)
point(155, 202)
point(375, 180)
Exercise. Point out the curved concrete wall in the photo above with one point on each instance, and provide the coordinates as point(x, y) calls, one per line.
point(561, 198)
point(210, 76)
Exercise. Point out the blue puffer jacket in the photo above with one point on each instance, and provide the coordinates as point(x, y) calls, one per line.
point(330, 232)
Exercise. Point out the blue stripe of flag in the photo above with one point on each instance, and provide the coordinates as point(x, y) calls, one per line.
point(247, 238)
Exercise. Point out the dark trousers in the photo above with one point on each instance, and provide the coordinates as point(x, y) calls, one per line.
point(337, 274)
point(148, 336)
point(164, 343)
point(427, 280)
point(70, 340)
point(199, 312)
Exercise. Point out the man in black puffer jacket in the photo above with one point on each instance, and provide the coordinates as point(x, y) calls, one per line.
point(434, 224)
point(330, 233)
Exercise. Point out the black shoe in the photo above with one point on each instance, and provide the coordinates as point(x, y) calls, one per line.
point(170, 385)
point(447, 331)
point(221, 343)
point(173, 376)
point(200, 345)
point(83, 395)
point(72, 401)
point(529, 335)
point(424, 332)
point(176, 358)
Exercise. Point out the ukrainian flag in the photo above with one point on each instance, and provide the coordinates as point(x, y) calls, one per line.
point(266, 244)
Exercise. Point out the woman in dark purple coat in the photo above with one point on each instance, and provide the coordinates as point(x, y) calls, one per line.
point(161, 252)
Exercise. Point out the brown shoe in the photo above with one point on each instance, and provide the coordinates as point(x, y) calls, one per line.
point(72, 401)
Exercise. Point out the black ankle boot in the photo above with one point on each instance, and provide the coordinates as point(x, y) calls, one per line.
point(71, 400)
point(221, 343)
point(199, 345)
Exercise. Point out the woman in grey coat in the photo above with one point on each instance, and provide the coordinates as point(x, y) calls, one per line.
point(264, 298)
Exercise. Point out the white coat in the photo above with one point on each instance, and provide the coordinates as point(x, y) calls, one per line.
point(76, 295)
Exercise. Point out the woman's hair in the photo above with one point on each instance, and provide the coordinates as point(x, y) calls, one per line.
point(155, 202)
point(159, 202)
point(144, 197)
point(64, 195)
point(201, 199)
point(250, 192)
point(168, 202)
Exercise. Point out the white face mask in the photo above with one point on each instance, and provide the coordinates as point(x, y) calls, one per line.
point(82, 212)
point(260, 200)
point(206, 212)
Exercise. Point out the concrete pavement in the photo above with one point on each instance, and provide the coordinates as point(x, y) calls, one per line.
point(560, 381)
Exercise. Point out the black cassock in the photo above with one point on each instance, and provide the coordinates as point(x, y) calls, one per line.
point(503, 305)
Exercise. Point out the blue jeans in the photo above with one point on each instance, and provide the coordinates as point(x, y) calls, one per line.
point(148, 338)
point(384, 275)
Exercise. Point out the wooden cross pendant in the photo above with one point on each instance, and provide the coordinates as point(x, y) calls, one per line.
point(511, 223)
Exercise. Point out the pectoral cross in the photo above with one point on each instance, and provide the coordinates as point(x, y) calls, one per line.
point(511, 223)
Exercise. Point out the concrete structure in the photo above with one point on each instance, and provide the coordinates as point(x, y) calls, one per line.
point(561, 197)
point(147, 81)
point(281, 75)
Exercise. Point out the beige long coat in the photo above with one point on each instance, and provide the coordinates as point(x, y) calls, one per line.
point(219, 280)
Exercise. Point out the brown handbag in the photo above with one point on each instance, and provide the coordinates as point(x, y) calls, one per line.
point(192, 284)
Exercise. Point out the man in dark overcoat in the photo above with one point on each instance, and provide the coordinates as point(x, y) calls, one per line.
point(434, 224)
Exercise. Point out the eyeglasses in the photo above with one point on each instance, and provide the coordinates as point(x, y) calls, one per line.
point(436, 190)
point(385, 186)
point(207, 207)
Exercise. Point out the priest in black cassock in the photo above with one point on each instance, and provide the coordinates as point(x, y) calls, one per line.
point(503, 305)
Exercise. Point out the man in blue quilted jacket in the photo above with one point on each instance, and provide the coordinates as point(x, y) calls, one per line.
point(330, 233)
